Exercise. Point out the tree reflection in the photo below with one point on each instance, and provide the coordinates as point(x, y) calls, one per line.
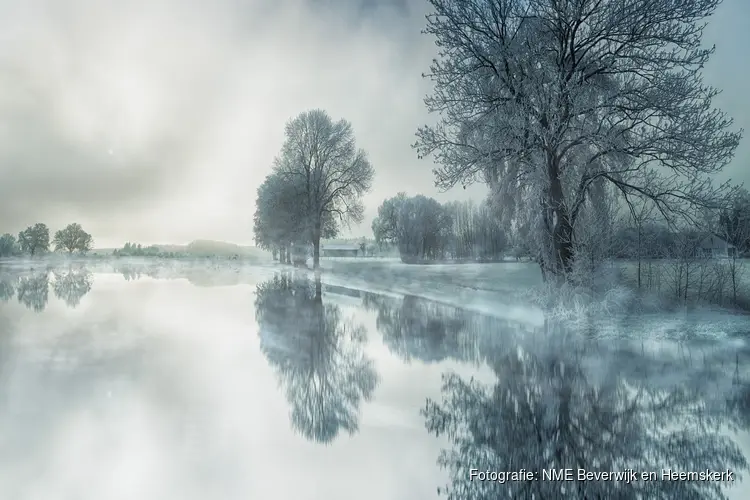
point(72, 285)
point(318, 354)
point(415, 328)
point(554, 406)
point(8, 282)
point(33, 290)
point(130, 273)
point(738, 400)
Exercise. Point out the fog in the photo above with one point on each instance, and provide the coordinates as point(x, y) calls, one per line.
point(156, 121)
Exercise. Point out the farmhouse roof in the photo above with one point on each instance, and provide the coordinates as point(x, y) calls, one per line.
point(340, 246)
point(714, 240)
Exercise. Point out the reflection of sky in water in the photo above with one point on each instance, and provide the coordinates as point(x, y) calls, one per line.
point(162, 389)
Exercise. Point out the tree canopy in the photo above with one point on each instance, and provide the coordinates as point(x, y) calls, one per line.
point(281, 220)
point(425, 230)
point(34, 239)
point(418, 225)
point(73, 238)
point(8, 245)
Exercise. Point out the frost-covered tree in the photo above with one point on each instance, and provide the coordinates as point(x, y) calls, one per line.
point(277, 221)
point(475, 233)
point(734, 221)
point(418, 225)
point(320, 159)
point(8, 245)
point(280, 220)
point(73, 238)
point(542, 99)
point(34, 239)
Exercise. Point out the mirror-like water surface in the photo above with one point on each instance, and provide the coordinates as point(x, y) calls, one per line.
point(117, 385)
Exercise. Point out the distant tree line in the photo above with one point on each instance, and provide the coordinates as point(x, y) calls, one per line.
point(425, 230)
point(35, 240)
point(315, 187)
point(138, 250)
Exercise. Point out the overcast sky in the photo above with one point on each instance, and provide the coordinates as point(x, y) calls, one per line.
point(155, 120)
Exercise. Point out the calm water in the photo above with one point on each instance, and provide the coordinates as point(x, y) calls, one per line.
point(116, 385)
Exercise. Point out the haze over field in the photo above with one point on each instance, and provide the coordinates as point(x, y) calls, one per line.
point(156, 121)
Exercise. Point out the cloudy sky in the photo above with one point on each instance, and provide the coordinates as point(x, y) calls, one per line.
point(156, 120)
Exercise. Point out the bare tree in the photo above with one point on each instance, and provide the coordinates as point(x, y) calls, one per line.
point(541, 99)
point(320, 159)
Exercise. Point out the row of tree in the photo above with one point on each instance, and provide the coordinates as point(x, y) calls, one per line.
point(35, 240)
point(137, 250)
point(425, 230)
point(315, 187)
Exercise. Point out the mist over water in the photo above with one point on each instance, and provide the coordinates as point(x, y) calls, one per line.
point(155, 382)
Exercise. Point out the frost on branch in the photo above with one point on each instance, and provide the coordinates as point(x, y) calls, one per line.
point(543, 99)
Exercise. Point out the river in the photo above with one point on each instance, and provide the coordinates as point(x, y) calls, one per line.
point(119, 385)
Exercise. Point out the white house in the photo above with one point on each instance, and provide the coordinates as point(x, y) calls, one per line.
point(339, 250)
point(715, 247)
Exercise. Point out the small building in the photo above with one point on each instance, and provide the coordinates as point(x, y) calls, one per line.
point(339, 250)
point(712, 246)
point(300, 254)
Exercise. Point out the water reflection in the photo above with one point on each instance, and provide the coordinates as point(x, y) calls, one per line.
point(563, 399)
point(70, 286)
point(132, 271)
point(33, 290)
point(318, 354)
point(416, 329)
point(8, 282)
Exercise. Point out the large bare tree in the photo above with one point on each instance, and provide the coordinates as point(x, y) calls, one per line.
point(321, 160)
point(543, 99)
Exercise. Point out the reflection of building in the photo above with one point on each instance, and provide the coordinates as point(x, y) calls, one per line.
point(715, 247)
point(339, 250)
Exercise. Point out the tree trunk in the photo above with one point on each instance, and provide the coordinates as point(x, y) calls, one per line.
point(733, 270)
point(543, 268)
point(318, 287)
point(639, 256)
point(282, 255)
point(559, 225)
point(316, 248)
